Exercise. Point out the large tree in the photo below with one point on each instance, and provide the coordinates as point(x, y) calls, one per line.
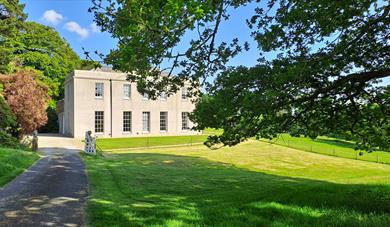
point(331, 56)
point(29, 45)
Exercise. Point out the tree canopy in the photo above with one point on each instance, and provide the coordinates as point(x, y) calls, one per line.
point(325, 79)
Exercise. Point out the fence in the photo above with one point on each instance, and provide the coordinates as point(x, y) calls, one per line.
point(337, 151)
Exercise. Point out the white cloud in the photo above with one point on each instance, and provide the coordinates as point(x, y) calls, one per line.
point(75, 27)
point(95, 28)
point(52, 17)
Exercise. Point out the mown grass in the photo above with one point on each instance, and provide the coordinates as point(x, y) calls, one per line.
point(13, 162)
point(252, 184)
point(331, 146)
point(133, 142)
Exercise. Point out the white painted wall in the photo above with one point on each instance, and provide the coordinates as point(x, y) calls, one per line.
point(80, 105)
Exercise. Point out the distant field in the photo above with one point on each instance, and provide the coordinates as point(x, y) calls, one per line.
point(13, 162)
point(331, 146)
point(251, 184)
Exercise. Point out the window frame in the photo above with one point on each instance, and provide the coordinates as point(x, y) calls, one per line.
point(125, 95)
point(99, 122)
point(97, 86)
point(148, 122)
point(165, 114)
point(184, 94)
point(145, 96)
point(163, 96)
point(127, 122)
point(185, 121)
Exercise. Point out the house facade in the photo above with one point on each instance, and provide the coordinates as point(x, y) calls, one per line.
point(105, 103)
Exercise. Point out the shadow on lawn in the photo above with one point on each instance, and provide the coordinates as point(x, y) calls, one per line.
point(335, 142)
point(158, 189)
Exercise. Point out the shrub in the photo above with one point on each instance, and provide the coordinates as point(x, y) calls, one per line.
point(27, 99)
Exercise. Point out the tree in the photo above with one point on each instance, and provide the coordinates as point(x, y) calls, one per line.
point(331, 56)
point(11, 21)
point(29, 45)
point(27, 100)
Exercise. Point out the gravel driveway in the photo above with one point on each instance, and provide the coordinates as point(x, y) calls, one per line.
point(50, 193)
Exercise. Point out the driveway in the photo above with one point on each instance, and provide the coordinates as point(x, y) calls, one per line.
point(50, 193)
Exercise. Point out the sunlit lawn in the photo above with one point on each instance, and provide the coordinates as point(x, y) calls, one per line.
point(13, 162)
point(120, 143)
point(331, 146)
point(252, 184)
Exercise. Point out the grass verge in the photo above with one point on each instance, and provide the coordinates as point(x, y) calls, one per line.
point(252, 184)
point(133, 142)
point(13, 162)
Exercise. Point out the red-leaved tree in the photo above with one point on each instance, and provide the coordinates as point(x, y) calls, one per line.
point(27, 100)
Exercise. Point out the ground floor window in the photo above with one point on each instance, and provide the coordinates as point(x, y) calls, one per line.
point(127, 121)
point(163, 121)
point(99, 121)
point(184, 121)
point(146, 121)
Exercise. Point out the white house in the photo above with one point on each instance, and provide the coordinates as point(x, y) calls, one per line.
point(105, 103)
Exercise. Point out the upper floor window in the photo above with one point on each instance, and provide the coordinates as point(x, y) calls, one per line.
point(163, 96)
point(126, 91)
point(185, 121)
point(184, 93)
point(145, 96)
point(99, 90)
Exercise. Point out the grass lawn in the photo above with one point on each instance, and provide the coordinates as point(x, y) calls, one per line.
point(252, 184)
point(330, 146)
point(13, 162)
point(133, 142)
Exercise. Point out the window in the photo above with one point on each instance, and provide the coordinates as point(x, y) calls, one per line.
point(99, 121)
point(184, 93)
point(99, 90)
point(184, 121)
point(163, 96)
point(163, 121)
point(127, 121)
point(126, 91)
point(145, 96)
point(146, 121)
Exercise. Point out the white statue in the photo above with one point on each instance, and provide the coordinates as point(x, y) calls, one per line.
point(90, 143)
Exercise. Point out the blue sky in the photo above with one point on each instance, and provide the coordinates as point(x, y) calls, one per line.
point(72, 20)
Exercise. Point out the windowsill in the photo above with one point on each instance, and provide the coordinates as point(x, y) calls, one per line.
point(126, 133)
point(99, 133)
point(126, 98)
point(145, 132)
point(98, 97)
point(163, 131)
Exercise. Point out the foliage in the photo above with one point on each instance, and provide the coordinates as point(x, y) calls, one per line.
point(13, 162)
point(12, 20)
point(149, 31)
point(252, 184)
point(43, 49)
point(325, 78)
point(27, 100)
point(7, 118)
point(33, 46)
